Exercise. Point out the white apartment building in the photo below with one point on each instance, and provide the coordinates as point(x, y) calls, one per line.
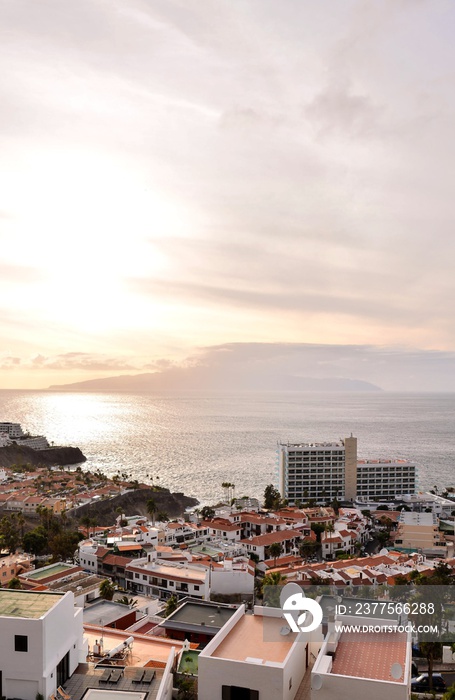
point(36, 442)
point(337, 542)
point(385, 478)
point(259, 546)
point(251, 658)
point(14, 430)
point(325, 470)
point(41, 642)
point(16, 434)
point(357, 665)
point(150, 577)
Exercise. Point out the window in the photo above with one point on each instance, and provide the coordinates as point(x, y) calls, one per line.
point(234, 692)
point(196, 588)
point(20, 642)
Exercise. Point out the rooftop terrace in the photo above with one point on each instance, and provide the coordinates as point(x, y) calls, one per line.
point(194, 614)
point(51, 570)
point(370, 655)
point(26, 604)
point(256, 637)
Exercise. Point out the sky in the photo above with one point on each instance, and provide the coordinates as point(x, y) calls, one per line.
point(176, 176)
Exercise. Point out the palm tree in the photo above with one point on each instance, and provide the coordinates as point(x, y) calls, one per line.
point(273, 583)
point(151, 509)
point(124, 600)
point(86, 521)
point(432, 652)
point(275, 550)
point(107, 589)
point(163, 517)
point(171, 605)
point(225, 485)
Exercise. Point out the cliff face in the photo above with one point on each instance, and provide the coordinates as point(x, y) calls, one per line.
point(135, 503)
point(54, 456)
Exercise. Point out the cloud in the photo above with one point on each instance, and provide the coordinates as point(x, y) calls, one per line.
point(20, 274)
point(76, 361)
point(297, 162)
point(9, 362)
point(338, 109)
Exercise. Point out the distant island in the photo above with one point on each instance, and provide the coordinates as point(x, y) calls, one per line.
point(202, 378)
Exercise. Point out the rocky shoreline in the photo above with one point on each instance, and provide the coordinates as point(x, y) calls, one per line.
point(18, 455)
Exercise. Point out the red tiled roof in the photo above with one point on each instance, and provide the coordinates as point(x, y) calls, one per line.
point(116, 560)
point(271, 537)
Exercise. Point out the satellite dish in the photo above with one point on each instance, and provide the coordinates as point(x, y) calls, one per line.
point(316, 682)
point(284, 631)
point(288, 590)
point(396, 671)
point(384, 551)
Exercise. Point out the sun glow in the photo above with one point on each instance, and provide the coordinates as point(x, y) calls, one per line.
point(89, 226)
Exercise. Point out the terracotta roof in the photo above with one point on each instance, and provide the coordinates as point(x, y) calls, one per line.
point(271, 537)
point(116, 560)
point(282, 561)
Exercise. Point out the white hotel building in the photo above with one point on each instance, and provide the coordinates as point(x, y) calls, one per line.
point(325, 470)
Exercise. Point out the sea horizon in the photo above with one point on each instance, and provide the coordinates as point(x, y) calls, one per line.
point(194, 441)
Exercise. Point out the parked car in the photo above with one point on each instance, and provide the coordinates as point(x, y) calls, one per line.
point(421, 684)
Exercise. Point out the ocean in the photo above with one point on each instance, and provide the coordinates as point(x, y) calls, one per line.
point(193, 443)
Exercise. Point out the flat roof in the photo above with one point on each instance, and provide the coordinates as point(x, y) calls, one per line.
point(370, 655)
point(193, 615)
point(104, 612)
point(256, 637)
point(51, 570)
point(26, 604)
point(412, 518)
point(145, 648)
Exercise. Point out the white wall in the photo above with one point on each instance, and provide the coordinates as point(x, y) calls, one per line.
point(225, 582)
point(165, 689)
point(21, 667)
point(49, 639)
point(214, 673)
point(348, 688)
point(294, 668)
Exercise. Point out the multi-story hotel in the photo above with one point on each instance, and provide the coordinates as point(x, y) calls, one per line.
point(325, 470)
point(385, 478)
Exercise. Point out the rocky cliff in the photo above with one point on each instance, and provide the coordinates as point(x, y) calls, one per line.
point(54, 456)
point(135, 503)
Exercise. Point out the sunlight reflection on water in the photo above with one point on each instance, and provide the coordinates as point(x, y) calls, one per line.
point(193, 443)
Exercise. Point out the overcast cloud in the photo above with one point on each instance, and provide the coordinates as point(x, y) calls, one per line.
point(178, 174)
